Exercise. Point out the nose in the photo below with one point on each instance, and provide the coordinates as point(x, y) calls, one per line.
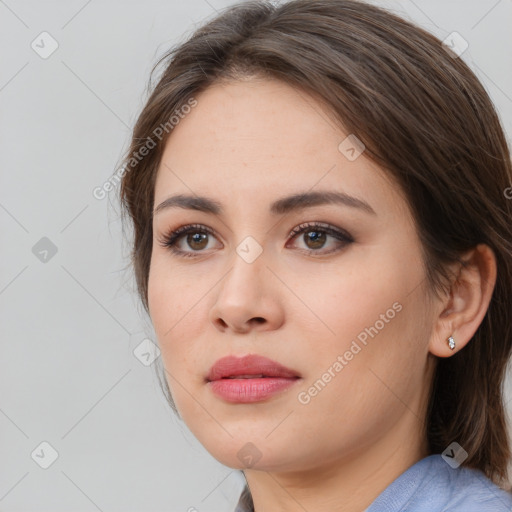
point(248, 298)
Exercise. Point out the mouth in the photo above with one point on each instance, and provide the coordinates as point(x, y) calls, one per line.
point(249, 379)
point(249, 367)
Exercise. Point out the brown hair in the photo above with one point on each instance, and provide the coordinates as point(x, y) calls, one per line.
point(423, 116)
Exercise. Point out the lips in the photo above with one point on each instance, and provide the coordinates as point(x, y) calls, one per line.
point(247, 367)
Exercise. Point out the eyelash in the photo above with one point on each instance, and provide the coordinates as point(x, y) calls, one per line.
point(170, 239)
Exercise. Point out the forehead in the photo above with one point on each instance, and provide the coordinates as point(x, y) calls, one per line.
point(260, 139)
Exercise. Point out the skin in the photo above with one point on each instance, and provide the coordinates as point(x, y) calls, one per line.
point(247, 144)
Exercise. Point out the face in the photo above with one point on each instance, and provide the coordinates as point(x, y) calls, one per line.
point(334, 291)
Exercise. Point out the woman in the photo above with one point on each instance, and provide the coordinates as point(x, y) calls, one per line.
point(319, 193)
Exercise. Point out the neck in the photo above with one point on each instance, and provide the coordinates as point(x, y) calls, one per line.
point(348, 483)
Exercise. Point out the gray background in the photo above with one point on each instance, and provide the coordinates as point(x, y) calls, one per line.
point(69, 325)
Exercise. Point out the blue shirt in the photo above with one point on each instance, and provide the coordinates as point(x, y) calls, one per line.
point(431, 485)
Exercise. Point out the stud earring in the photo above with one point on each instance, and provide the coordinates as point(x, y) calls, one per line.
point(451, 342)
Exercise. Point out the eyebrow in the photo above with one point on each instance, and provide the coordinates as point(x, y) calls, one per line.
point(279, 207)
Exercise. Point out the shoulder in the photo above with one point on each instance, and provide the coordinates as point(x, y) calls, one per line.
point(431, 485)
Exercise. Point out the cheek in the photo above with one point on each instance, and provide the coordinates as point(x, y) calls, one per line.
point(374, 327)
point(354, 298)
point(177, 301)
point(370, 375)
point(174, 332)
point(173, 316)
point(170, 296)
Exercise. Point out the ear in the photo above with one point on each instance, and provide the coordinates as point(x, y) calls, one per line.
point(462, 310)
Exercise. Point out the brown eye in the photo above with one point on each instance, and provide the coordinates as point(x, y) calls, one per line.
point(192, 240)
point(315, 236)
point(196, 238)
point(197, 241)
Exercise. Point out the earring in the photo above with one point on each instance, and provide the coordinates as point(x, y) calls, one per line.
point(451, 342)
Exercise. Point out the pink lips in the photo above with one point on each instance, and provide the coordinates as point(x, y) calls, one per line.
point(249, 379)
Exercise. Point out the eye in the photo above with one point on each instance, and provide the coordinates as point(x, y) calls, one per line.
point(315, 235)
point(196, 238)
